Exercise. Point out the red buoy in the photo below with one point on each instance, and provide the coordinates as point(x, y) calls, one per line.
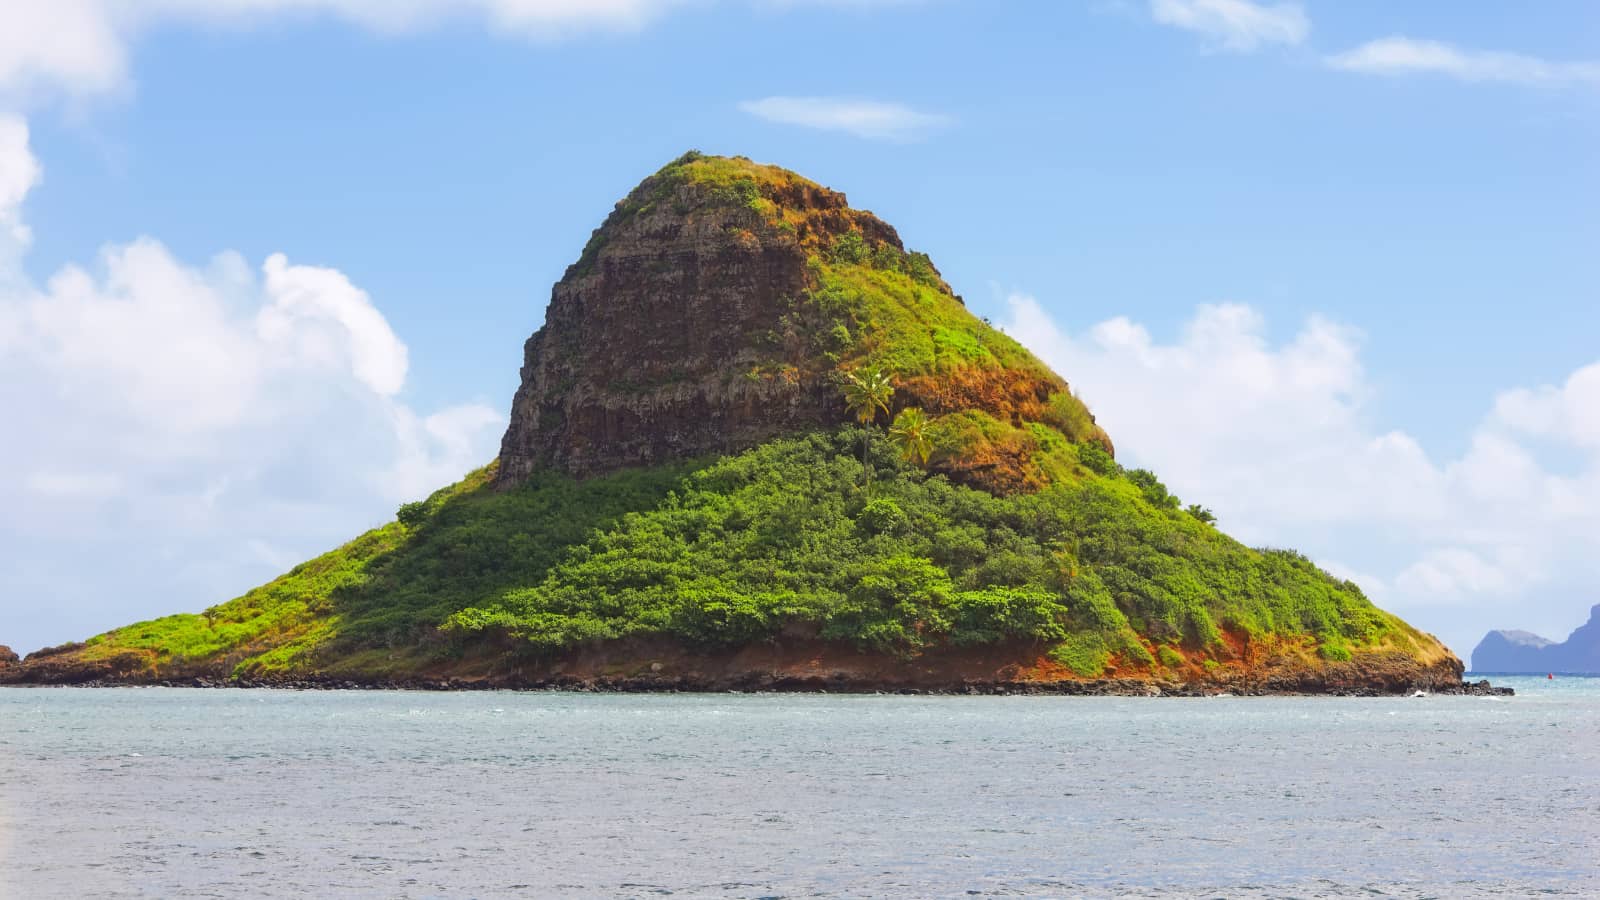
point(1551, 676)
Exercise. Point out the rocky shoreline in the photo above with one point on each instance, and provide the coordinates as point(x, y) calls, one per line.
point(758, 683)
point(659, 665)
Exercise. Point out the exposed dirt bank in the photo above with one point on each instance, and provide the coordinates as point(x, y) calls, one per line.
point(641, 666)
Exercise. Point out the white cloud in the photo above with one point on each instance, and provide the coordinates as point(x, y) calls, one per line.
point(1569, 413)
point(60, 43)
point(306, 295)
point(19, 173)
point(1278, 440)
point(534, 18)
point(871, 119)
point(1235, 24)
point(187, 428)
point(72, 484)
point(434, 450)
point(1402, 56)
point(81, 47)
point(1452, 572)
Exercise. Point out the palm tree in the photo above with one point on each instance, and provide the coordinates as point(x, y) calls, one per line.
point(910, 433)
point(866, 394)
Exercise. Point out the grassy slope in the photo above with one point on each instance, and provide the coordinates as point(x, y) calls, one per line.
point(789, 537)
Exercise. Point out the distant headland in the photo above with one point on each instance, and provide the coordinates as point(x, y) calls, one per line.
point(1521, 652)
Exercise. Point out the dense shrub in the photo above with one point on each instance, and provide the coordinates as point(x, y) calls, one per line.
point(1097, 460)
point(412, 515)
point(913, 561)
point(882, 516)
point(1096, 568)
point(1068, 415)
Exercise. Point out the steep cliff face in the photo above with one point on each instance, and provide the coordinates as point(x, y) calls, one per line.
point(716, 307)
point(1524, 652)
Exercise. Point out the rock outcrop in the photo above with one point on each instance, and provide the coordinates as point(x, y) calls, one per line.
point(699, 320)
point(1522, 652)
point(8, 656)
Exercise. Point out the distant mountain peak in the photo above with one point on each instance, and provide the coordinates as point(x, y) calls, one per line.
point(1523, 638)
point(1525, 652)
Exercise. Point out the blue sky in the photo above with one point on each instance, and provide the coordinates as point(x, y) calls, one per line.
point(1373, 222)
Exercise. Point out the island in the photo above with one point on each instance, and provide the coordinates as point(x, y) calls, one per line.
point(761, 445)
point(1523, 653)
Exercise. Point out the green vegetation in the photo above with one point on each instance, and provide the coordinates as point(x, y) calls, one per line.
point(391, 587)
point(867, 394)
point(1096, 569)
point(910, 434)
point(783, 535)
point(908, 326)
point(720, 181)
point(1068, 414)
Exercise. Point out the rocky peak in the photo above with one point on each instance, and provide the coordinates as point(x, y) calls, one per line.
point(715, 308)
point(1522, 651)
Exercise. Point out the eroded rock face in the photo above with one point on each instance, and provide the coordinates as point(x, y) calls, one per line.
point(7, 656)
point(675, 334)
point(701, 319)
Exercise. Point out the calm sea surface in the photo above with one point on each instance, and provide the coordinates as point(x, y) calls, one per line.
point(194, 793)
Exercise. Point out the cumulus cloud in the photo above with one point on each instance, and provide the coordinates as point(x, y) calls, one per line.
point(1278, 438)
point(872, 119)
point(1569, 412)
point(302, 296)
point(73, 44)
point(176, 431)
point(1404, 56)
point(1238, 25)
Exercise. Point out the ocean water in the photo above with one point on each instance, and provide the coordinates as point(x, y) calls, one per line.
point(153, 792)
